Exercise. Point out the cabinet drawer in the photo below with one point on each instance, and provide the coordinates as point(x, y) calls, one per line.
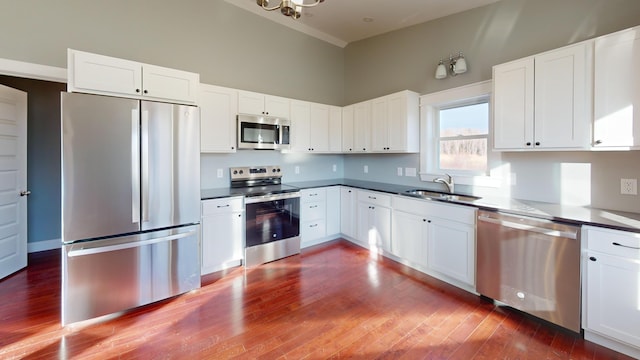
point(317, 194)
point(310, 230)
point(216, 206)
point(429, 208)
point(375, 198)
point(313, 210)
point(613, 242)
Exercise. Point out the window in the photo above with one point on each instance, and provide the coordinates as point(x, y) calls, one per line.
point(462, 138)
point(455, 135)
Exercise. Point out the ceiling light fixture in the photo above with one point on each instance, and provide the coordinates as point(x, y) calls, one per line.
point(292, 8)
point(456, 65)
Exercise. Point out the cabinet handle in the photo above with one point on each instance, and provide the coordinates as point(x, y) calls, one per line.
point(239, 215)
point(364, 149)
point(223, 206)
point(528, 144)
point(137, 90)
point(597, 142)
point(537, 143)
point(233, 147)
point(626, 246)
point(424, 220)
point(313, 225)
point(592, 258)
point(372, 197)
point(145, 91)
point(313, 206)
point(315, 194)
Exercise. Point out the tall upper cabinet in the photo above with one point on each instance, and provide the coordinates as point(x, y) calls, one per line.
point(218, 109)
point(543, 102)
point(395, 120)
point(105, 75)
point(261, 104)
point(617, 90)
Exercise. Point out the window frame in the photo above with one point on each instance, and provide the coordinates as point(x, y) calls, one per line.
point(430, 106)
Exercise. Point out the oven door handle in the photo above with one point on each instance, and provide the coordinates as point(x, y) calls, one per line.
point(271, 197)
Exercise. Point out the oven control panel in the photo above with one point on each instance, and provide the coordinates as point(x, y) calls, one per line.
point(255, 172)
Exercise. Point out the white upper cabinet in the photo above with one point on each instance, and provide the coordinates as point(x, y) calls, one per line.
point(335, 129)
point(319, 128)
point(105, 75)
point(300, 126)
point(311, 125)
point(348, 128)
point(395, 123)
point(262, 104)
point(543, 102)
point(617, 90)
point(218, 109)
point(362, 127)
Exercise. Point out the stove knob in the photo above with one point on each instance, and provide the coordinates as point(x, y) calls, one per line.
point(241, 172)
point(278, 169)
point(235, 172)
point(274, 170)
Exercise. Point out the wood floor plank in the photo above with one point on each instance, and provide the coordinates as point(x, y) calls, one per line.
point(332, 301)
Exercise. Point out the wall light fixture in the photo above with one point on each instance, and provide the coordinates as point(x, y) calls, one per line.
point(456, 65)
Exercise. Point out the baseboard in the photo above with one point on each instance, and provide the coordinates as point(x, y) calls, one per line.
point(44, 245)
point(612, 344)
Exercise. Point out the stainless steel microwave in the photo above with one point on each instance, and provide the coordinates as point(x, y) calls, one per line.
point(263, 132)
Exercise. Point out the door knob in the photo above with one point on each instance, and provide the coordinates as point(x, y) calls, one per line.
point(25, 193)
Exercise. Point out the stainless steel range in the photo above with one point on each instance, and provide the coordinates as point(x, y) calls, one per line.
point(272, 213)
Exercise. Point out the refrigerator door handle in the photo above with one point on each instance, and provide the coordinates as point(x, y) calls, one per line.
point(135, 168)
point(145, 165)
point(109, 248)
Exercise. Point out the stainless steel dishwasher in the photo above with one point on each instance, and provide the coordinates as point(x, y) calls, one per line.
point(530, 264)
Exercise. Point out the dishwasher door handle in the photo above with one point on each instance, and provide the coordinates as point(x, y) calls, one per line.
point(540, 230)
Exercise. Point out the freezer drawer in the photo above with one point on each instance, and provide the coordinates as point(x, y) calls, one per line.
point(106, 276)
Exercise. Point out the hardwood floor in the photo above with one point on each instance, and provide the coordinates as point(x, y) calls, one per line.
point(333, 301)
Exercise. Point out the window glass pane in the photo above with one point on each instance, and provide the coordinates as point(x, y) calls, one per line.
point(465, 120)
point(468, 155)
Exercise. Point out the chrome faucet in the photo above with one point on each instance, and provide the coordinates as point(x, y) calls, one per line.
point(448, 183)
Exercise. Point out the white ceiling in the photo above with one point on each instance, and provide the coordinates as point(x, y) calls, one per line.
point(342, 21)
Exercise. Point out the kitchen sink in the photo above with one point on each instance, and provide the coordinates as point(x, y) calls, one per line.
point(428, 194)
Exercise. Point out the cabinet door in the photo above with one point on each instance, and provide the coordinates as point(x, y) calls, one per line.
point(617, 90)
point(513, 96)
point(404, 122)
point(221, 241)
point(162, 83)
point(218, 109)
point(277, 106)
point(335, 129)
point(333, 210)
point(612, 293)
point(380, 124)
point(300, 122)
point(362, 127)
point(382, 227)
point(348, 129)
point(374, 226)
point(348, 208)
point(319, 128)
point(451, 249)
point(103, 74)
point(250, 103)
point(409, 238)
point(562, 104)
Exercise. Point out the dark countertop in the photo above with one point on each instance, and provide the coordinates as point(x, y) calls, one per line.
point(618, 220)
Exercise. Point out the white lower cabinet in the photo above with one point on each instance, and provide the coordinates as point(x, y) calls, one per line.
point(436, 238)
point(319, 215)
point(374, 220)
point(611, 289)
point(348, 211)
point(222, 233)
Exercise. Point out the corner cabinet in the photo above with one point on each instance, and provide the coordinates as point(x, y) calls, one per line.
point(316, 127)
point(222, 233)
point(262, 104)
point(395, 123)
point(436, 238)
point(543, 102)
point(218, 109)
point(319, 215)
point(356, 128)
point(105, 75)
point(617, 90)
point(611, 289)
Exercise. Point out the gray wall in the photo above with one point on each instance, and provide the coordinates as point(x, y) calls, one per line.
point(489, 35)
point(225, 44)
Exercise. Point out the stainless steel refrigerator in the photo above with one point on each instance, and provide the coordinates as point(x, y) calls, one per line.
point(130, 203)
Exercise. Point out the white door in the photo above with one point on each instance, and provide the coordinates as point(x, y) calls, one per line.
point(13, 180)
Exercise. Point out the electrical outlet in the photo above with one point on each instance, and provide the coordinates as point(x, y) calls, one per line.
point(410, 172)
point(366, 169)
point(629, 186)
point(219, 173)
point(296, 169)
point(399, 171)
point(334, 167)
